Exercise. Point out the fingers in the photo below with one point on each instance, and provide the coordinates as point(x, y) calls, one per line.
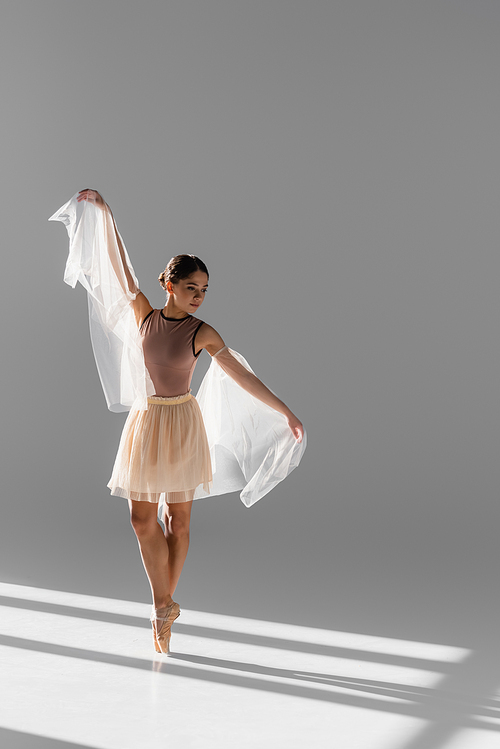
point(296, 427)
point(92, 196)
point(87, 194)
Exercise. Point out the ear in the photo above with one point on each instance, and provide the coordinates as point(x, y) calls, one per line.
point(169, 287)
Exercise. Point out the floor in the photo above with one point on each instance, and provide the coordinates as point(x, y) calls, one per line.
point(81, 671)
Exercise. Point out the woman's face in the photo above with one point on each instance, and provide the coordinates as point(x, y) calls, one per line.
point(189, 292)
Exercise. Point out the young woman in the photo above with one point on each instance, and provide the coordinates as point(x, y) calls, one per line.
point(164, 455)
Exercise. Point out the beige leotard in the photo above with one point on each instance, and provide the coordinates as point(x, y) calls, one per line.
point(169, 351)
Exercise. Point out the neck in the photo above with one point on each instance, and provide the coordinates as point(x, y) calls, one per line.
point(172, 310)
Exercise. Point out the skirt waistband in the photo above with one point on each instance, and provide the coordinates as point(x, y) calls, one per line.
point(168, 400)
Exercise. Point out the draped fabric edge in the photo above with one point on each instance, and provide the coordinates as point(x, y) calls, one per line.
point(95, 261)
point(252, 448)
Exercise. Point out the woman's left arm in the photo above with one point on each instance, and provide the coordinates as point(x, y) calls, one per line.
point(209, 339)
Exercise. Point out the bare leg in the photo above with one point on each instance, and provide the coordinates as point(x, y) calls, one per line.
point(177, 519)
point(154, 550)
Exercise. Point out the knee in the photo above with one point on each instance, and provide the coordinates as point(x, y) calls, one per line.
point(178, 527)
point(143, 526)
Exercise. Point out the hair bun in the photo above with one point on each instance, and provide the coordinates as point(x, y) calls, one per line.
point(180, 267)
point(162, 278)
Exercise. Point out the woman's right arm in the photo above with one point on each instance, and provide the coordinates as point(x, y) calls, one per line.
point(140, 304)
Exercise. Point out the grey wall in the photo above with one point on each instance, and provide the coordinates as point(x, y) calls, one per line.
point(335, 163)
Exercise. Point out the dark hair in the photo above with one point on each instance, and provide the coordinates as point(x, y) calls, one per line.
point(179, 267)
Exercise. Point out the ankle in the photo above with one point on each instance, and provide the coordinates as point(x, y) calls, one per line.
point(163, 603)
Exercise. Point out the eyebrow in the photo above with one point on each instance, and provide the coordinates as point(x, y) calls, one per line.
point(192, 283)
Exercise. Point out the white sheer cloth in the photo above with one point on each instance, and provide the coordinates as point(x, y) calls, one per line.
point(95, 261)
point(251, 445)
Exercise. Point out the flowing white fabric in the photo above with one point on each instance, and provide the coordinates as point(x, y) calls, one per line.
point(95, 261)
point(251, 445)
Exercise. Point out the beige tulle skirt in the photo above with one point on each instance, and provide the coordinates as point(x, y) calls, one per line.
point(163, 453)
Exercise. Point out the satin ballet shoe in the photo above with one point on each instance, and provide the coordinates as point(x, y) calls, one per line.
point(162, 620)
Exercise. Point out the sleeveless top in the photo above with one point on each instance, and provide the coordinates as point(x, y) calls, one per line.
point(169, 351)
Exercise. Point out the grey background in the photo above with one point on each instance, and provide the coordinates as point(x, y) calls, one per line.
point(336, 165)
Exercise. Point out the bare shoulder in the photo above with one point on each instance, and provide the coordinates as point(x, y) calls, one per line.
point(209, 339)
point(141, 308)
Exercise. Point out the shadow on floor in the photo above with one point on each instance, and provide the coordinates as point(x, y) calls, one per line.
point(463, 702)
point(20, 740)
point(193, 630)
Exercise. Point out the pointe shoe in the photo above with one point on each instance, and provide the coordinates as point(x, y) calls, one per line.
point(162, 620)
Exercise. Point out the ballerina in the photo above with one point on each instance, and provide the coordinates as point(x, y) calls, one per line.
point(168, 452)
